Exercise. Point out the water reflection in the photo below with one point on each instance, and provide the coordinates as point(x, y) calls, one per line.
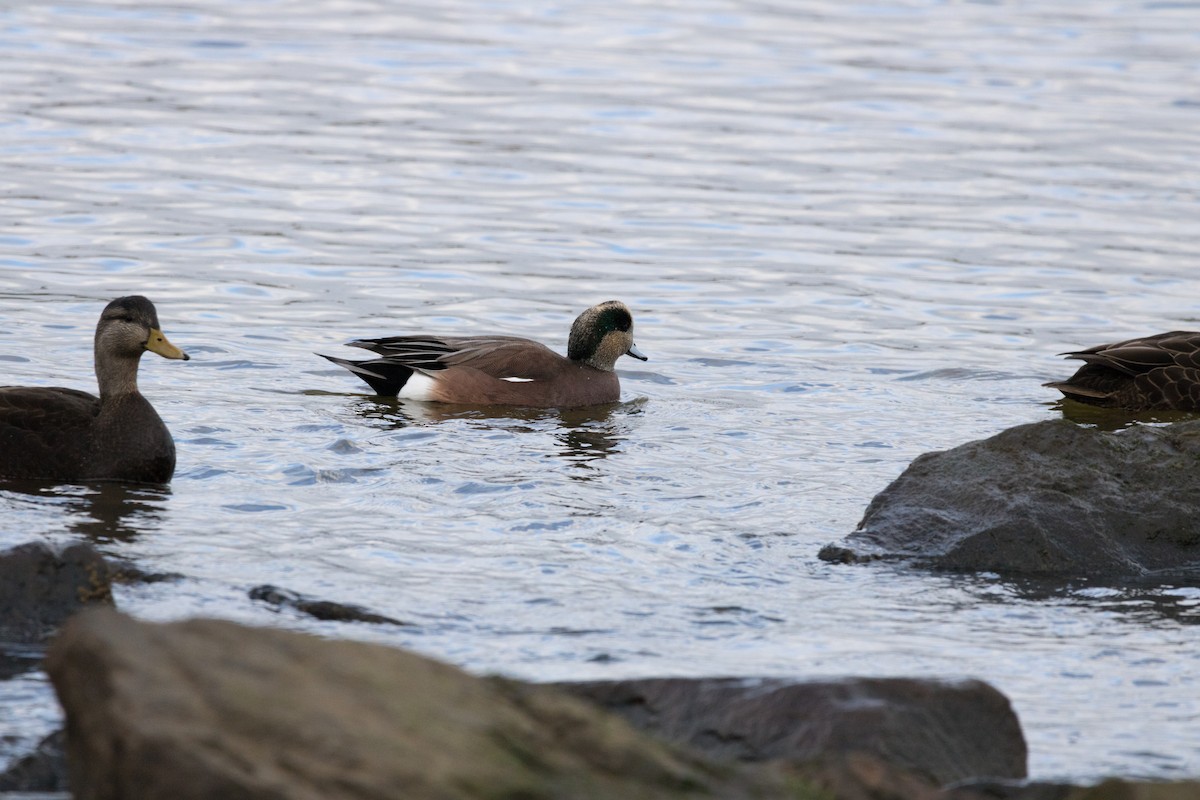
point(584, 444)
point(582, 435)
point(102, 512)
point(1115, 419)
point(1150, 599)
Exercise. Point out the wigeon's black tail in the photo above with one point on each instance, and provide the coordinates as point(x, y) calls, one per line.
point(385, 377)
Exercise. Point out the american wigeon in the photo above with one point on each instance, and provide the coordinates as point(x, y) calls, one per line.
point(504, 370)
point(1152, 374)
point(69, 435)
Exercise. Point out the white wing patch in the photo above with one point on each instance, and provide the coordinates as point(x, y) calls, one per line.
point(419, 386)
point(518, 380)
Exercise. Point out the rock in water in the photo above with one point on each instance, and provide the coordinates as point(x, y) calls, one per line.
point(40, 588)
point(43, 770)
point(212, 709)
point(1049, 498)
point(327, 610)
point(944, 731)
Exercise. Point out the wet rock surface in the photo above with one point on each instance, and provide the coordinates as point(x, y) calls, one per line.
point(943, 731)
point(1050, 499)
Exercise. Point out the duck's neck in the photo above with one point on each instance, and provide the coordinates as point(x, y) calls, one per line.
point(116, 374)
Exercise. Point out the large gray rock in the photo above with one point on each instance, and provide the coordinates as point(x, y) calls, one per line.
point(211, 709)
point(944, 731)
point(1049, 498)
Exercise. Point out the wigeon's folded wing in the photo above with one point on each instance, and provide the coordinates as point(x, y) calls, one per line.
point(501, 357)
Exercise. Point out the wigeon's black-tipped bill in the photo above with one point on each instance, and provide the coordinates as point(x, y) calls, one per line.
point(638, 354)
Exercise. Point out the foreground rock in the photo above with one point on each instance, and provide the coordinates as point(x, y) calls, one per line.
point(1116, 789)
point(207, 709)
point(1050, 498)
point(40, 588)
point(212, 709)
point(946, 732)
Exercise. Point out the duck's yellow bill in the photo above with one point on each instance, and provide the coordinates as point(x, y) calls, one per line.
point(157, 343)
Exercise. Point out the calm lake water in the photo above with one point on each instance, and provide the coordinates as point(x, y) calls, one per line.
point(850, 234)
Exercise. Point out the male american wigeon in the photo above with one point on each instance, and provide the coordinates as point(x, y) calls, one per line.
point(1154, 373)
point(504, 370)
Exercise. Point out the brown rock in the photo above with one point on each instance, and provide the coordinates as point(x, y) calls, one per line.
point(946, 731)
point(860, 776)
point(211, 709)
point(1116, 789)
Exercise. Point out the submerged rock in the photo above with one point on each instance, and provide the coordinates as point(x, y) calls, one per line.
point(1049, 498)
point(944, 731)
point(326, 610)
point(209, 708)
point(131, 574)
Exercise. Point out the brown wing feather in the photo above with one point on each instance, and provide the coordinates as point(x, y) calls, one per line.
point(1152, 372)
point(1171, 387)
point(1135, 356)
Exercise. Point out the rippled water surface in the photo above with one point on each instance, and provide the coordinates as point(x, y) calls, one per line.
point(850, 234)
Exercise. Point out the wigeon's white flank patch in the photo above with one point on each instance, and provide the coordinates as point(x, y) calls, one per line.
point(419, 386)
point(518, 380)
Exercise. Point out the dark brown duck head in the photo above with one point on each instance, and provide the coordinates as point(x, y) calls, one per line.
point(128, 327)
point(601, 335)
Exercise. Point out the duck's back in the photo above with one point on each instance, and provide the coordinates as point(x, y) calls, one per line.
point(57, 434)
point(1159, 372)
